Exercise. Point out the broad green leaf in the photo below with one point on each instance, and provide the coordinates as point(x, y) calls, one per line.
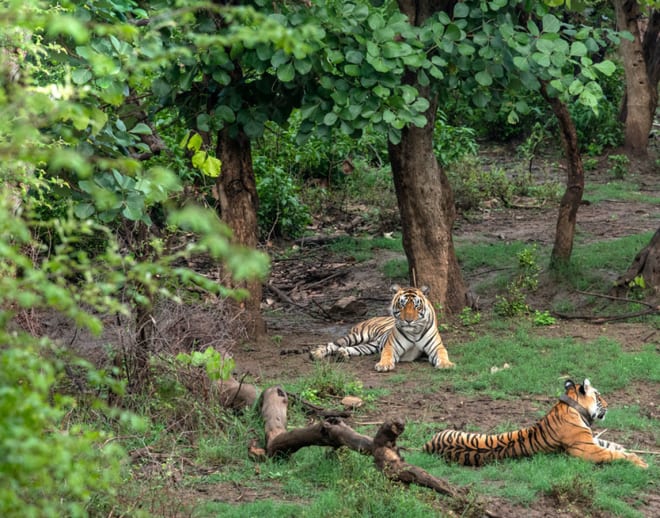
point(141, 129)
point(521, 63)
point(286, 73)
point(376, 21)
point(483, 78)
point(452, 32)
point(551, 23)
point(606, 67)
point(576, 87)
point(207, 164)
point(461, 10)
point(80, 76)
point(195, 142)
point(578, 49)
point(354, 56)
point(330, 119)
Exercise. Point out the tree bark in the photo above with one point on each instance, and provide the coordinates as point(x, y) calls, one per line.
point(237, 192)
point(647, 265)
point(639, 108)
point(424, 196)
point(570, 201)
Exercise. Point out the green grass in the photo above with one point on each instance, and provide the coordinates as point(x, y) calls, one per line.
point(362, 248)
point(620, 190)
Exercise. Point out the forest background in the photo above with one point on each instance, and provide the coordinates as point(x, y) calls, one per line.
point(167, 167)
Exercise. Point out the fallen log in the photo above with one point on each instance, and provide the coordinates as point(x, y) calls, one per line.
point(335, 433)
point(236, 394)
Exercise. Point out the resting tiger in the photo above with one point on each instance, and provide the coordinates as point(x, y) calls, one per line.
point(412, 329)
point(567, 427)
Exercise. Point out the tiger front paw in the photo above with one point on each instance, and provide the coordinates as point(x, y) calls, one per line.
point(318, 353)
point(636, 460)
point(384, 366)
point(445, 365)
point(342, 354)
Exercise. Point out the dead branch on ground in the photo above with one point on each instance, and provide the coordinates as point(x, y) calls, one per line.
point(335, 433)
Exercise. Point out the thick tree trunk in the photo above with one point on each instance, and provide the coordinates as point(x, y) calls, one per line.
point(570, 201)
point(424, 196)
point(237, 191)
point(639, 96)
point(426, 205)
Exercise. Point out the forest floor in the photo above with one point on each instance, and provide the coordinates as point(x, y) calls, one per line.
point(314, 279)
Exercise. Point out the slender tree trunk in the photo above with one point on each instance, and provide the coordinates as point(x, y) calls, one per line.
point(427, 210)
point(424, 196)
point(237, 191)
point(638, 110)
point(570, 202)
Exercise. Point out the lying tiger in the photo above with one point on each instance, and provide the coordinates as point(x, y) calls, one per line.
point(410, 331)
point(567, 427)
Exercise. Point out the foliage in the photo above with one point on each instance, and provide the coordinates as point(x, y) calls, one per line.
point(451, 143)
point(46, 468)
point(474, 185)
point(281, 211)
point(514, 302)
point(217, 367)
point(619, 167)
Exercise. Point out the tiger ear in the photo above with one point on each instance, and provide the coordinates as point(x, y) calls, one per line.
point(425, 289)
point(395, 287)
point(569, 384)
point(585, 386)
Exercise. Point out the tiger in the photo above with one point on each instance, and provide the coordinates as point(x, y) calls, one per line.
point(566, 427)
point(410, 331)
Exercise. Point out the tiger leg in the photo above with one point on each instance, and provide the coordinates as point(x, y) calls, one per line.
point(388, 356)
point(330, 349)
point(595, 452)
point(438, 356)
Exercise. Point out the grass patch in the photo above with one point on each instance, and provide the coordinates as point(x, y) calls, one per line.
point(617, 190)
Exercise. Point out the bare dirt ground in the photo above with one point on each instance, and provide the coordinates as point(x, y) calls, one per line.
point(304, 287)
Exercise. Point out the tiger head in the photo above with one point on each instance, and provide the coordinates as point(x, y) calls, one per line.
point(588, 398)
point(411, 310)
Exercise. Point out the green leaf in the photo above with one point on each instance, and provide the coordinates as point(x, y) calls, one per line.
point(203, 121)
point(286, 73)
point(606, 67)
point(576, 87)
point(84, 210)
point(521, 63)
point(354, 56)
point(452, 32)
point(207, 164)
point(551, 23)
point(330, 119)
point(461, 10)
point(376, 21)
point(194, 143)
point(578, 49)
point(483, 78)
point(80, 76)
point(141, 129)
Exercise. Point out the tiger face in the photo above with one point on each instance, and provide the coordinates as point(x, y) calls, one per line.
point(411, 309)
point(588, 397)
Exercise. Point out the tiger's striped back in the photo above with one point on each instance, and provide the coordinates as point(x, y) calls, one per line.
point(566, 427)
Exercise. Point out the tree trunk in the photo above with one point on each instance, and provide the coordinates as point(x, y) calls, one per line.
point(646, 265)
point(638, 109)
point(426, 205)
point(651, 48)
point(570, 201)
point(237, 191)
point(424, 196)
